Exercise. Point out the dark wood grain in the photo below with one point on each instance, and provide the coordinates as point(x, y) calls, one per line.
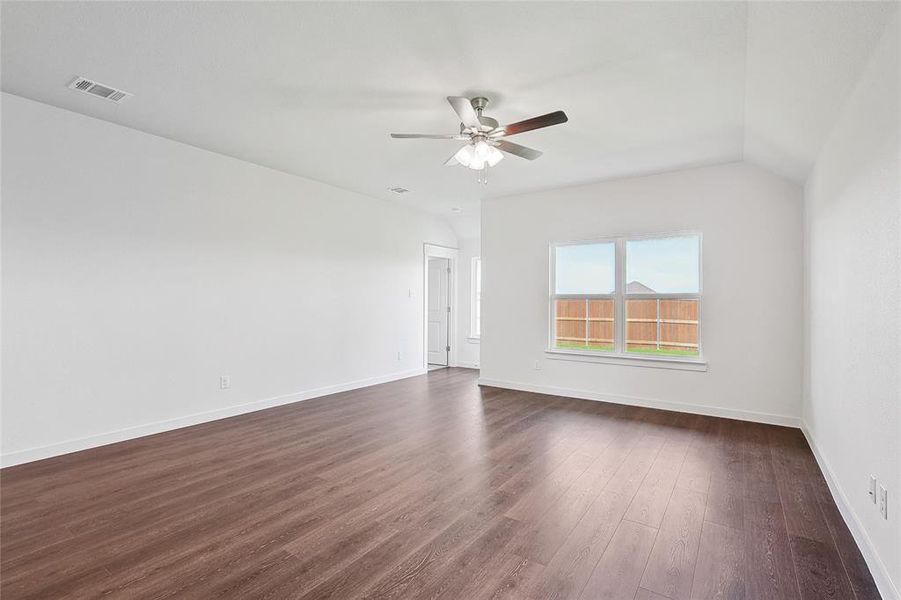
point(770, 571)
point(725, 503)
point(650, 501)
point(568, 571)
point(433, 487)
point(671, 566)
point(720, 572)
point(519, 578)
point(852, 560)
point(820, 572)
point(643, 594)
point(619, 570)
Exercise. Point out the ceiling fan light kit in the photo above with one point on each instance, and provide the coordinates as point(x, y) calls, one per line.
point(478, 155)
point(483, 134)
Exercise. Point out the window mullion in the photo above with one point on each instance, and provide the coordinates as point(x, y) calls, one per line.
point(587, 325)
point(619, 305)
point(666, 323)
point(658, 323)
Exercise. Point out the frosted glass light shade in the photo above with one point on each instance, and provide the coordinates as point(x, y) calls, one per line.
point(479, 155)
point(494, 156)
point(465, 155)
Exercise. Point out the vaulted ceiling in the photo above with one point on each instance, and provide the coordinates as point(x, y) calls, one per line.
point(315, 88)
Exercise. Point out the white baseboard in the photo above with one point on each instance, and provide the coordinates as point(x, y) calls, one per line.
point(120, 435)
point(698, 409)
point(883, 580)
point(467, 364)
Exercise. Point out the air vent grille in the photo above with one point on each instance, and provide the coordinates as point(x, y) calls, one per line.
point(398, 190)
point(100, 90)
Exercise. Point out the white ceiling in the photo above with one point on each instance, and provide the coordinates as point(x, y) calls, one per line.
point(803, 60)
point(315, 88)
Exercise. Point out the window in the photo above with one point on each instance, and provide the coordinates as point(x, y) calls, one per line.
point(627, 297)
point(663, 286)
point(475, 310)
point(584, 286)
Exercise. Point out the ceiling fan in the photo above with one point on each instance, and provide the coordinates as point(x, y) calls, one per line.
point(484, 137)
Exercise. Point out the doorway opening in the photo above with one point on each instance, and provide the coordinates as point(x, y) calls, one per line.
point(438, 304)
point(439, 315)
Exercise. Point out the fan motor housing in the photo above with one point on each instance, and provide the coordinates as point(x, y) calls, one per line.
point(479, 102)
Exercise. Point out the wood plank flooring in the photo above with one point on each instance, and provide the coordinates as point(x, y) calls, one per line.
point(432, 487)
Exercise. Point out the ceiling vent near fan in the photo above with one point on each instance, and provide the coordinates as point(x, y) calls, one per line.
point(398, 190)
point(88, 86)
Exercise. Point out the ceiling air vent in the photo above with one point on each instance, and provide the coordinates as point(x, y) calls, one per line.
point(80, 84)
point(398, 190)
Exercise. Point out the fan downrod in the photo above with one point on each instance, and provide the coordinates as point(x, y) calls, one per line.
point(487, 123)
point(478, 103)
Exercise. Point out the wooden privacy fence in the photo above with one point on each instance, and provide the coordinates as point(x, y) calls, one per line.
point(585, 322)
point(650, 324)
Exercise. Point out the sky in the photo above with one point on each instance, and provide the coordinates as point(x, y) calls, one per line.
point(667, 265)
point(585, 269)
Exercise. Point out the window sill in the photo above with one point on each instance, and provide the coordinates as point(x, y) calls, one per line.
point(655, 362)
point(474, 340)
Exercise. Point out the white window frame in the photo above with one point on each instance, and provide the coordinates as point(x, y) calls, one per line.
point(619, 297)
point(475, 299)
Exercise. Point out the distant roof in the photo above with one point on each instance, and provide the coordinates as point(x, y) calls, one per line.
point(637, 287)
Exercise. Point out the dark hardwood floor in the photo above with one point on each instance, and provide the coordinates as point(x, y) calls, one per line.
point(432, 487)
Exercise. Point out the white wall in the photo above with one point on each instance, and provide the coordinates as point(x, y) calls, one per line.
point(467, 347)
point(750, 312)
point(852, 400)
point(137, 270)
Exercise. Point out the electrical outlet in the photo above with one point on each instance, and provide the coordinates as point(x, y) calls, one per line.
point(398, 355)
point(225, 382)
point(537, 365)
point(872, 491)
point(883, 501)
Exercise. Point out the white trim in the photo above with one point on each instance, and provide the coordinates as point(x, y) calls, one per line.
point(619, 301)
point(877, 568)
point(613, 358)
point(474, 340)
point(128, 433)
point(468, 364)
point(452, 254)
point(620, 296)
point(698, 409)
point(475, 273)
point(436, 251)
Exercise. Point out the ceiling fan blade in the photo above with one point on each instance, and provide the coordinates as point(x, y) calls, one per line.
point(463, 107)
point(554, 118)
point(452, 161)
point(429, 136)
point(518, 150)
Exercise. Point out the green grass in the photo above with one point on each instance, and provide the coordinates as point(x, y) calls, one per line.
point(591, 347)
point(663, 352)
point(609, 348)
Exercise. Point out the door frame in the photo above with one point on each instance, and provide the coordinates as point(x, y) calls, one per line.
point(436, 251)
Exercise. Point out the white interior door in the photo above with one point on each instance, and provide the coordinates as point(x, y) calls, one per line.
point(438, 309)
